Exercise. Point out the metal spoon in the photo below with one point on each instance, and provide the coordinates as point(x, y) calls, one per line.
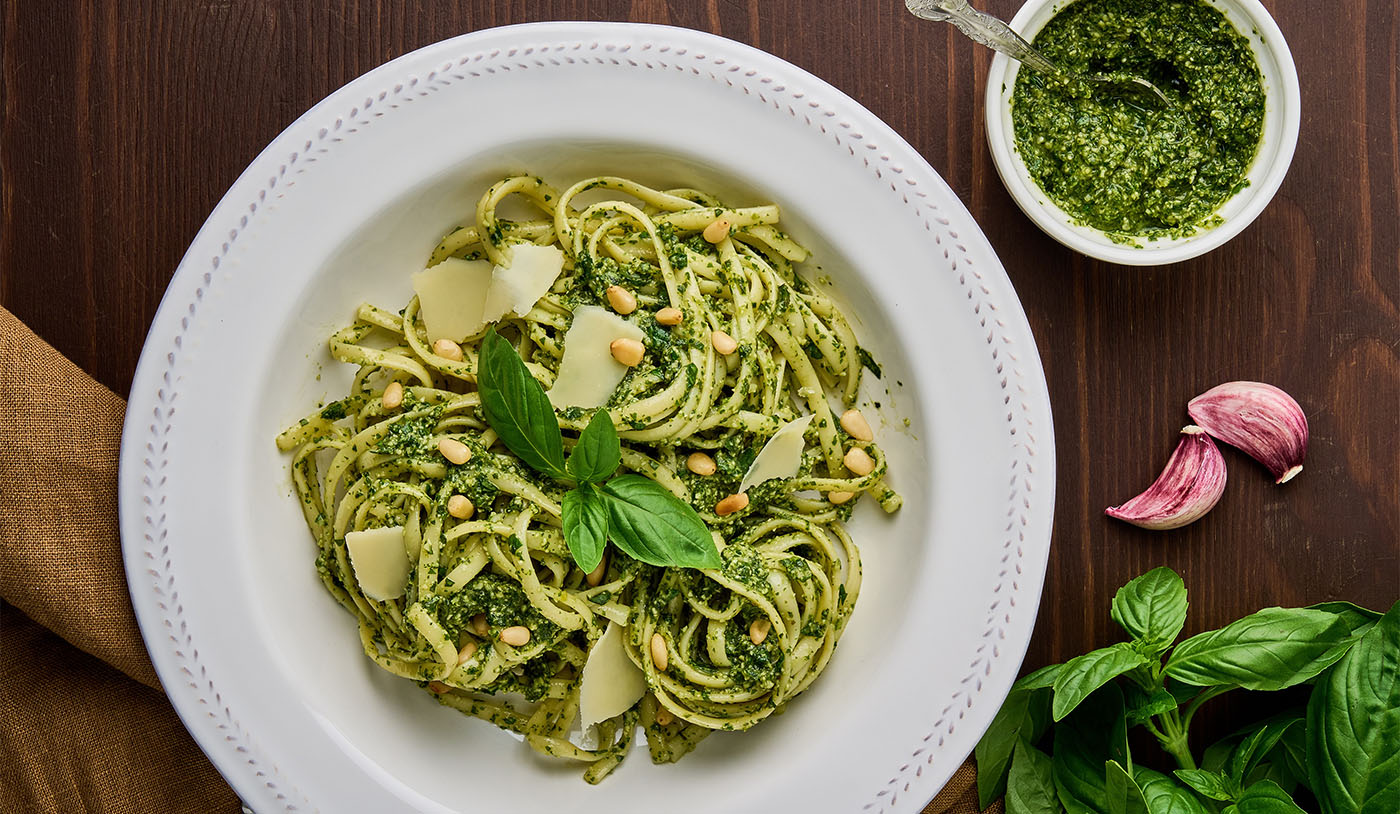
point(995, 34)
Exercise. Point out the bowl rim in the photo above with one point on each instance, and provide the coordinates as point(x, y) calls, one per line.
point(1269, 42)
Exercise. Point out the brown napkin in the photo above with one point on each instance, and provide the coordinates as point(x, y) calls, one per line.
point(83, 723)
point(960, 795)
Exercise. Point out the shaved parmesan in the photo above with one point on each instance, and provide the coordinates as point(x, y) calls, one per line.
point(457, 298)
point(452, 296)
point(380, 562)
point(611, 683)
point(518, 285)
point(780, 457)
point(588, 373)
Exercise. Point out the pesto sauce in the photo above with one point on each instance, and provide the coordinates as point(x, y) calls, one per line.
point(752, 666)
point(501, 599)
point(411, 437)
point(1118, 164)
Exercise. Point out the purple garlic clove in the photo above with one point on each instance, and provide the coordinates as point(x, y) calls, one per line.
point(1189, 486)
point(1259, 419)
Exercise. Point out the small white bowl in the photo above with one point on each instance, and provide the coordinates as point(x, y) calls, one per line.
point(1283, 104)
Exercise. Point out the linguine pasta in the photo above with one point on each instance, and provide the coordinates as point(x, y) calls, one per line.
point(738, 642)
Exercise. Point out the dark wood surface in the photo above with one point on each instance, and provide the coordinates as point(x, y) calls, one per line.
point(124, 123)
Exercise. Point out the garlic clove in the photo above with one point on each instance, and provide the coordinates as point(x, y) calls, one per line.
point(1189, 486)
point(1259, 419)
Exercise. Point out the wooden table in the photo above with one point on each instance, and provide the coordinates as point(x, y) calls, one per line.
point(124, 122)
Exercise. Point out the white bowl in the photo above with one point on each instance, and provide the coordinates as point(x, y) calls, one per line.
point(266, 669)
point(1283, 105)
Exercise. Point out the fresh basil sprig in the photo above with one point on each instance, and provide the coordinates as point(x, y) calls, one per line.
point(642, 517)
point(1060, 744)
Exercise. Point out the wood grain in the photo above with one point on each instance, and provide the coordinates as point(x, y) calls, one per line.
point(124, 122)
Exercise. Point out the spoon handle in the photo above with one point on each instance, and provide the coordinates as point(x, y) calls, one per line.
point(982, 28)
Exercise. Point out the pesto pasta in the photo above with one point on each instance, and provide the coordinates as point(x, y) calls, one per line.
point(451, 552)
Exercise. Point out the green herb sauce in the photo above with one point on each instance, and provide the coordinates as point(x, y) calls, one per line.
point(1118, 163)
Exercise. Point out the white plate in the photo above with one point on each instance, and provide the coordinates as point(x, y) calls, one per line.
point(266, 670)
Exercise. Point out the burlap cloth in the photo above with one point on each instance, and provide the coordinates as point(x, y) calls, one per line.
point(84, 725)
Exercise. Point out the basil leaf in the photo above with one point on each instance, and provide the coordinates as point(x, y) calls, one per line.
point(993, 752)
point(1079, 787)
point(1266, 797)
point(1118, 748)
point(1086, 673)
point(1210, 784)
point(1152, 608)
point(1217, 756)
point(1222, 754)
point(1042, 678)
point(1241, 757)
point(1030, 789)
point(1142, 706)
point(1121, 791)
point(1275, 773)
point(1081, 742)
point(517, 408)
point(655, 526)
point(1037, 716)
point(1183, 693)
point(1353, 726)
point(598, 451)
point(1284, 719)
point(1292, 751)
point(1257, 746)
point(1356, 618)
point(1285, 761)
point(1268, 650)
point(1023, 717)
point(585, 519)
point(1165, 796)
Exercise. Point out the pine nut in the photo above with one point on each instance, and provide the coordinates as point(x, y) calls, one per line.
point(465, 653)
point(718, 230)
point(392, 397)
point(840, 497)
point(669, 316)
point(664, 717)
point(516, 636)
point(701, 464)
point(658, 652)
point(595, 577)
point(479, 625)
point(627, 351)
point(723, 342)
point(621, 300)
point(758, 629)
point(732, 504)
point(439, 687)
point(859, 461)
point(454, 450)
point(460, 507)
point(854, 423)
point(448, 349)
